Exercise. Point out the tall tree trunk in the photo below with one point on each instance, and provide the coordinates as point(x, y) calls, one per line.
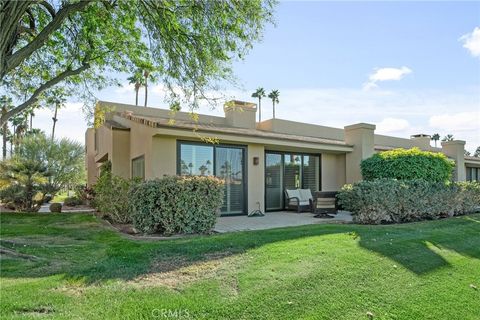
point(273, 109)
point(31, 121)
point(136, 96)
point(13, 142)
point(259, 109)
point(146, 89)
point(4, 136)
point(54, 121)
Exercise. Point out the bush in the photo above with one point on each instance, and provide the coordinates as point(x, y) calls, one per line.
point(411, 164)
point(72, 201)
point(56, 207)
point(394, 201)
point(84, 193)
point(19, 198)
point(111, 195)
point(467, 197)
point(176, 204)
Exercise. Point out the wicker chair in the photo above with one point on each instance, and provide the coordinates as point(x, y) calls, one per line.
point(299, 200)
point(325, 202)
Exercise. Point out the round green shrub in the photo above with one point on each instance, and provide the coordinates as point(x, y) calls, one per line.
point(411, 164)
point(72, 201)
point(174, 205)
point(56, 207)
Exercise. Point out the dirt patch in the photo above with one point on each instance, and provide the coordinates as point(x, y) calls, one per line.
point(178, 272)
point(71, 290)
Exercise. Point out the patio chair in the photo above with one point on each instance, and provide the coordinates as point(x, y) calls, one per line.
point(298, 199)
point(325, 202)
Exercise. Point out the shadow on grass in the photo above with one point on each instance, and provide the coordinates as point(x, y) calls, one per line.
point(79, 247)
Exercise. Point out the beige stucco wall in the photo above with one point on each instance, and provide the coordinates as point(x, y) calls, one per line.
point(455, 150)
point(396, 142)
point(305, 129)
point(361, 136)
point(104, 142)
point(164, 156)
point(90, 153)
point(333, 171)
point(141, 145)
point(120, 156)
point(256, 177)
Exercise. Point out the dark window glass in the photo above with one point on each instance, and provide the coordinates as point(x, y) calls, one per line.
point(311, 173)
point(273, 181)
point(229, 168)
point(138, 167)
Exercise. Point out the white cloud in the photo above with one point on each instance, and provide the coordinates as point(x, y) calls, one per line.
point(462, 121)
point(471, 42)
point(390, 125)
point(385, 74)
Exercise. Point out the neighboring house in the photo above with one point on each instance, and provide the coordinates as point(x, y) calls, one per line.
point(256, 160)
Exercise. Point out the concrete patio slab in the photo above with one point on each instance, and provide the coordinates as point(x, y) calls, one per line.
point(275, 220)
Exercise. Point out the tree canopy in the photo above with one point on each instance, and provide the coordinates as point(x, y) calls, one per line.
point(81, 45)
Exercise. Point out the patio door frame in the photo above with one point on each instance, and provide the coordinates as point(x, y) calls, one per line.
point(283, 153)
point(214, 169)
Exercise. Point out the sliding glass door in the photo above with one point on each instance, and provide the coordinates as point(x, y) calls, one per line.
point(229, 168)
point(289, 171)
point(273, 181)
point(224, 162)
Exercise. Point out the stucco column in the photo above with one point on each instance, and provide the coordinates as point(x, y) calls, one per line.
point(256, 177)
point(456, 151)
point(361, 136)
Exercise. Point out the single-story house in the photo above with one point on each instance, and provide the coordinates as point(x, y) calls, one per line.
point(257, 160)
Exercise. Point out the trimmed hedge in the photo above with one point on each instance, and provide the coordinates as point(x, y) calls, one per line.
point(408, 164)
point(174, 204)
point(395, 201)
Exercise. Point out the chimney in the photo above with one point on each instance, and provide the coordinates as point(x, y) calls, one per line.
point(240, 114)
point(421, 140)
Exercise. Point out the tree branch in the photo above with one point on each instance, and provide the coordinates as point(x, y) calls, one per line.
point(50, 83)
point(20, 55)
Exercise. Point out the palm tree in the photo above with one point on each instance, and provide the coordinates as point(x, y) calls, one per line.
point(274, 96)
point(477, 152)
point(58, 101)
point(138, 81)
point(435, 138)
point(259, 93)
point(146, 74)
point(17, 123)
point(448, 137)
point(6, 103)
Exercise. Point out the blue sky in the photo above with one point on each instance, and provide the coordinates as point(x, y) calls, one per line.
point(408, 67)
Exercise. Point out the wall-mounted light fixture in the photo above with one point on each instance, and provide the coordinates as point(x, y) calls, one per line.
point(256, 161)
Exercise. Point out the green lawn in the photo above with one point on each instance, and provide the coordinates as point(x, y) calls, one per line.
point(75, 268)
point(61, 196)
